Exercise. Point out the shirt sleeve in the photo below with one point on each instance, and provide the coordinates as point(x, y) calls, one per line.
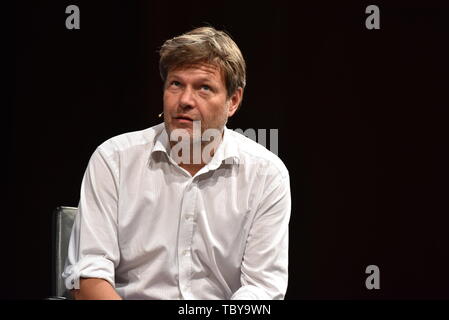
point(93, 248)
point(264, 270)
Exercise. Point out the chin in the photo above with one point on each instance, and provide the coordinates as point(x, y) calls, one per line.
point(171, 127)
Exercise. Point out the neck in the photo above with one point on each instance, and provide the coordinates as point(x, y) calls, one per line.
point(194, 155)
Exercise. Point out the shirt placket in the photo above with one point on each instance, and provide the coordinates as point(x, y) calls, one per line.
point(186, 238)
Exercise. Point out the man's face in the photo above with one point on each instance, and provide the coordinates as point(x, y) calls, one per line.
point(197, 92)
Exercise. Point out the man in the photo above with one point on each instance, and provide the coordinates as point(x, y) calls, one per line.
point(158, 224)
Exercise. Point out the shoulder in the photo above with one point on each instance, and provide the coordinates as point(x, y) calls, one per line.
point(129, 141)
point(253, 153)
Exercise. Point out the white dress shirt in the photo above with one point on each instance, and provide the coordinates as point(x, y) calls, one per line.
point(153, 231)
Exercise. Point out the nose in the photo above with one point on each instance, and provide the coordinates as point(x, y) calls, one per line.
point(187, 99)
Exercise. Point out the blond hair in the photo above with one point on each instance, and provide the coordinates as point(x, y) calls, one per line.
point(205, 45)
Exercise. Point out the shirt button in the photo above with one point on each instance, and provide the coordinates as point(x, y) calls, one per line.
point(186, 253)
point(189, 216)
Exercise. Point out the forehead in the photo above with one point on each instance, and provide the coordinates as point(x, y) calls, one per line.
point(199, 70)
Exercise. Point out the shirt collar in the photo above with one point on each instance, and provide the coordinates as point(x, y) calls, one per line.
point(162, 142)
point(227, 152)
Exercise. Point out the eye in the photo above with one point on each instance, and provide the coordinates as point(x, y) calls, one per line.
point(175, 83)
point(206, 87)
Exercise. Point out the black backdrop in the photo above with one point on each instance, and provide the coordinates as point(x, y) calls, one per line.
point(362, 119)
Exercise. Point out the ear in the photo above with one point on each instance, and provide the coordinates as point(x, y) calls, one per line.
point(234, 101)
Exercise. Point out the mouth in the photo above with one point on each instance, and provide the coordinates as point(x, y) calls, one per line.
point(183, 119)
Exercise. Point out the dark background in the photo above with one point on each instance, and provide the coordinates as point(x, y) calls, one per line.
point(362, 119)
